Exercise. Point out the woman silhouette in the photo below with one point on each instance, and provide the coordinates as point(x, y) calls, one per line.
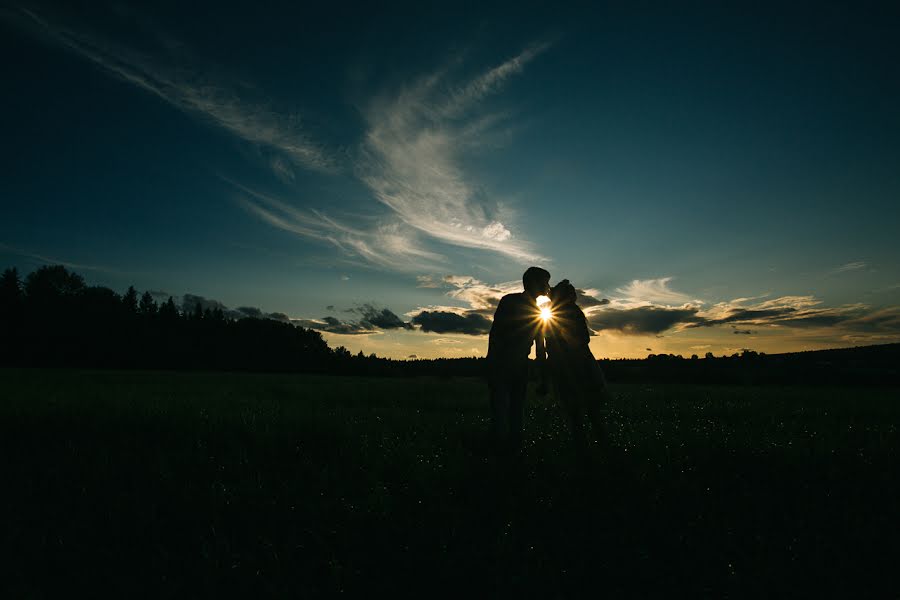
point(578, 382)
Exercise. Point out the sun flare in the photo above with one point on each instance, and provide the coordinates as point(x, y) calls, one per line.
point(543, 303)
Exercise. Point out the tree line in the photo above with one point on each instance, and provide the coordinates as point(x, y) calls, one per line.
point(53, 318)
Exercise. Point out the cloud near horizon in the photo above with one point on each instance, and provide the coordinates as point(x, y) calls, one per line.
point(627, 316)
point(372, 320)
point(641, 311)
point(190, 303)
point(380, 318)
point(475, 319)
point(334, 325)
point(449, 322)
point(642, 320)
point(481, 300)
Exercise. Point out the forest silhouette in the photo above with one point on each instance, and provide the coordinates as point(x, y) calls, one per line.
point(53, 318)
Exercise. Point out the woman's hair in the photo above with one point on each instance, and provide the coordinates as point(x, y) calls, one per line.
point(562, 293)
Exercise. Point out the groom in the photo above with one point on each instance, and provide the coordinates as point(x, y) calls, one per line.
point(516, 326)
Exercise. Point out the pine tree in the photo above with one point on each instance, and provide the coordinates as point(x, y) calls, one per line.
point(168, 311)
point(130, 300)
point(10, 290)
point(52, 281)
point(12, 302)
point(147, 306)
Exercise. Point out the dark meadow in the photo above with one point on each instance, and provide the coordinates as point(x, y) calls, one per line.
point(156, 458)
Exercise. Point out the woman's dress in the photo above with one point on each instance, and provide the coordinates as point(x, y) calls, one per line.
point(572, 365)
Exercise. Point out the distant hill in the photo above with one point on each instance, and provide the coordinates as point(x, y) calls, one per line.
point(860, 365)
point(879, 352)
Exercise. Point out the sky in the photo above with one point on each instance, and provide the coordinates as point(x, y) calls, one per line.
point(711, 178)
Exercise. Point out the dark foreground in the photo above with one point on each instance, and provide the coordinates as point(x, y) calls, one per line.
point(180, 484)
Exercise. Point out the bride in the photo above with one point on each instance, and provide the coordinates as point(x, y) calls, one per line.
point(578, 382)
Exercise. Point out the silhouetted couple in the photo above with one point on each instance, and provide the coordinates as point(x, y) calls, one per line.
point(559, 332)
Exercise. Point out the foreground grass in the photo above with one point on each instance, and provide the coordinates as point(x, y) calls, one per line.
point(175, 484)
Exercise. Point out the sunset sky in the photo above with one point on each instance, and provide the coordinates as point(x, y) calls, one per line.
point(710, 178)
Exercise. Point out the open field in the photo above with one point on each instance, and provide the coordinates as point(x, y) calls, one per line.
point(178, 484)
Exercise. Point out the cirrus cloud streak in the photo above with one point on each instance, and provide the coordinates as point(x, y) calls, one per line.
point(412, 153)
point(186, 89)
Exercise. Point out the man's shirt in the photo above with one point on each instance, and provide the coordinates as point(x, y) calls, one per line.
point(517, 324)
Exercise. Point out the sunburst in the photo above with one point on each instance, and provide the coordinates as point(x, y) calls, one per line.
point(546, 313)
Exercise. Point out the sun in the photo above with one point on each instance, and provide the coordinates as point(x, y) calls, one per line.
point(543, 303)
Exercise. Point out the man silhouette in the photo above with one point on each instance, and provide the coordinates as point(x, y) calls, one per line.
point(517, 324)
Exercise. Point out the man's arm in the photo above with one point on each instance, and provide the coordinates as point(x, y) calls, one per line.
point(500, 314)
point(496, 334)
point(584, 332)
point(540, 355)
point(540, 347)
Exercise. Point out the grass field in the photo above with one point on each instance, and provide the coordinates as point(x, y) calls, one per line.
point(186, 484)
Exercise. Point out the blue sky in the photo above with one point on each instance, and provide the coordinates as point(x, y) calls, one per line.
point(725, 177)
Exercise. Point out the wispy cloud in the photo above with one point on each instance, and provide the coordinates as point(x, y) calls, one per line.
point(851, 266)
point(478, 295)
point(49, 260)
point(428, 281)
point(411, 160)
point(884, 320)
point(652, 291)
point(489, 82)
point(410, 156)
point(790, 311)
point(389, 245)
point(188, 90)
point(640, 307)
